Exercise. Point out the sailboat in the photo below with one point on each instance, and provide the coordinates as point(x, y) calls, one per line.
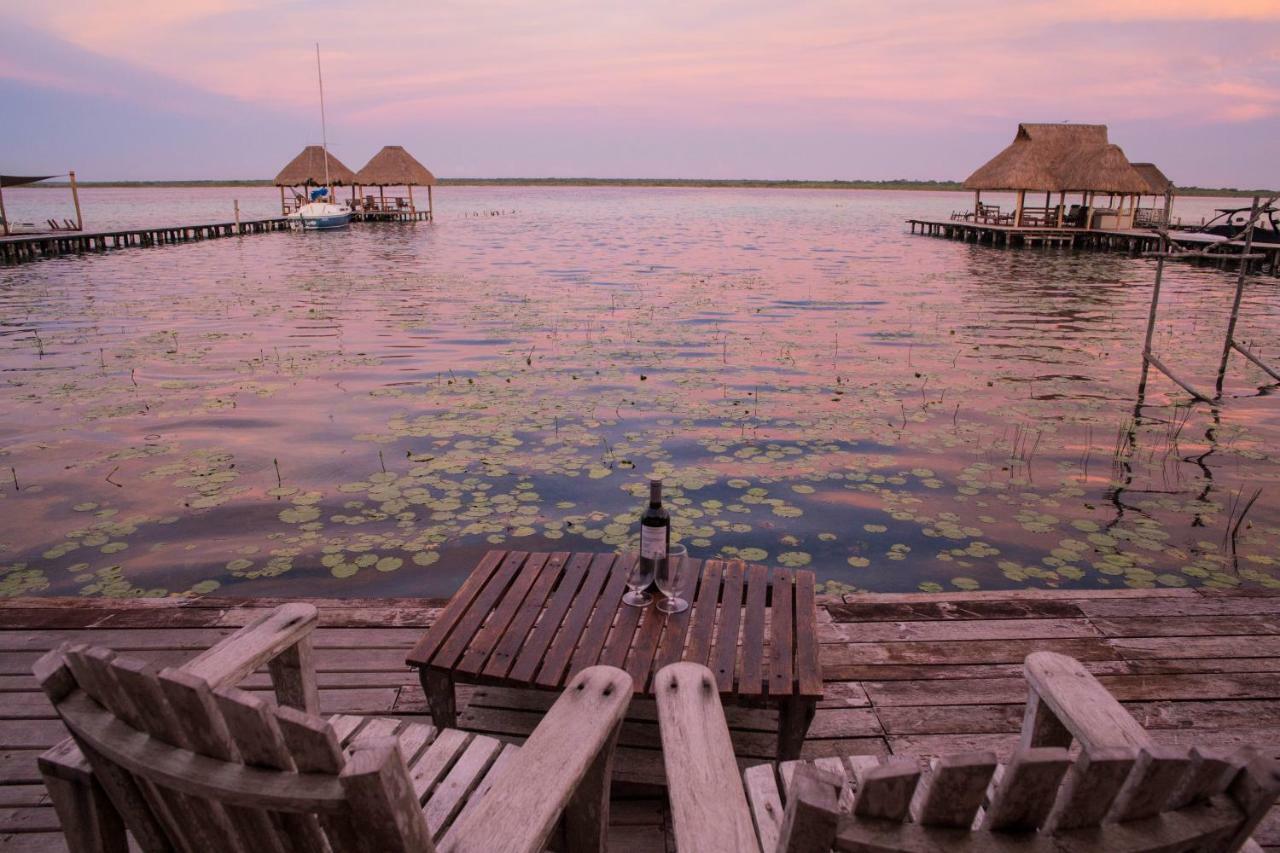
point(321, 213)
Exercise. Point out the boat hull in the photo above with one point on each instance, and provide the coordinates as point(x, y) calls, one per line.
point(325, 223)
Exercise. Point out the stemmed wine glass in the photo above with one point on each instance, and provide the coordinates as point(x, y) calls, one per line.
point(639, 577)
point(672, 577)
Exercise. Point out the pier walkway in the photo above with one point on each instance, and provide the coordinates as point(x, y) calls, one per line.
point(1131, 240)
point(911, 673)
point(21, 248)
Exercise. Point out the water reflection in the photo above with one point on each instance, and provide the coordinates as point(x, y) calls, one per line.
point(363, 413)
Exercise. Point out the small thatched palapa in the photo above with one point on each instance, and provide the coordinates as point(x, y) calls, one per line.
point(1157, 183)
point(394, 167)
point(307, 169)
point(1059, 158)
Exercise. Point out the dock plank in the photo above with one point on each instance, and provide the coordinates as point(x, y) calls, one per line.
point(916, 674)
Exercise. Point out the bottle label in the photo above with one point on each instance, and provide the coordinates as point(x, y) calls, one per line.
point(653, 542)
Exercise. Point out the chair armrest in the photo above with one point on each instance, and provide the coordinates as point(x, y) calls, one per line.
point(708, 805)
point(282, 639)
point(570, 750)
point(1065, 700)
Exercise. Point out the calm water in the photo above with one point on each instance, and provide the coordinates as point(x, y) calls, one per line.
point(364, 413)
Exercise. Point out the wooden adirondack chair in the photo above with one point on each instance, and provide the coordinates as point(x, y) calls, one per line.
point(189, 762)
point(1121, 794)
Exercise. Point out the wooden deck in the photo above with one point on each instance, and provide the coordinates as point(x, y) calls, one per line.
point(1131, 240)
point(911, 673)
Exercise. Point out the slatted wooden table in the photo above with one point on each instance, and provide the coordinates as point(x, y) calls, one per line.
point(536, 619)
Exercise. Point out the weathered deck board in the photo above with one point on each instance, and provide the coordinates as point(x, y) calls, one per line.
point(911, 673)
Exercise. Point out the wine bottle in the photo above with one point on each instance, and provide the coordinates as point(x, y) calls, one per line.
point(655, 532)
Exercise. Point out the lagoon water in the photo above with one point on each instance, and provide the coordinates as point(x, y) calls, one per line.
point(364, 413)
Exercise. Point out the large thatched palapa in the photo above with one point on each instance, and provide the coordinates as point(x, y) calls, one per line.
point(394, 167)
point(307, 170)
point(1062, 158)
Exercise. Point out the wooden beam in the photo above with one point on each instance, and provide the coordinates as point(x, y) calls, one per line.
point(75, 197)
point(4, 220)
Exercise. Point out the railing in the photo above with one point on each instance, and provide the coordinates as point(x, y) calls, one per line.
point(377, 203)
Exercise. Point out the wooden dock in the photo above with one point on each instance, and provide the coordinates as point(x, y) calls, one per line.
point(21, 248)
point(1132, 240)
point(913, 673)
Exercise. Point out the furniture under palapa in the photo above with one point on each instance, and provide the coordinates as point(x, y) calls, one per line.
point(186, 761)
point(1121, 793)
point(536, 620)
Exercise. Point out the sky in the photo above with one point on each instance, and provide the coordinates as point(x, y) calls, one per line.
point(802, 89)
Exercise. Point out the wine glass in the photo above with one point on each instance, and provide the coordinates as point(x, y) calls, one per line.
point(639, 577)
point(671, 577)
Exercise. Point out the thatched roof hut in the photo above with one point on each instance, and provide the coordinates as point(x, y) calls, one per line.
point(1157, 183)
point(307, 169)
point(1059, 158)
point(394, 167)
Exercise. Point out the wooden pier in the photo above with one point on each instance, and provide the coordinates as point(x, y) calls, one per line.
point(21, 248)
point(1133, 241)
point(406, 214)
point(914, 673)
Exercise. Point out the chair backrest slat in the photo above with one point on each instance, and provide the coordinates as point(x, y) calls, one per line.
point(885, 791)
point(1027, 790)
point(1254, 790)
point(1211, 772)
point(1091, 787)
point(260, 742)
point(1156, 775)
point(953, 789)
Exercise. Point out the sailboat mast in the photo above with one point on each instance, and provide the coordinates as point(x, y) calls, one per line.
point(324, 133)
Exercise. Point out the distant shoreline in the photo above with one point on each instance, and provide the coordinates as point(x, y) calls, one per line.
point(676, 183)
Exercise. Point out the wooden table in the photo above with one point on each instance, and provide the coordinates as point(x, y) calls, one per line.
point(536, 619)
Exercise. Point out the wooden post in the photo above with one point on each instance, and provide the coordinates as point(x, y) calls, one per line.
point(1235, 304)
point(75, 197)
point(431, 212)
point(237, 203)
point(977, 204)
point(283, 211)
point(4, 220)
point(1155, 299)
point(1017, 212)
point(412, 209)
point(382, 198)
point(1062, 206)
point(1168, 205)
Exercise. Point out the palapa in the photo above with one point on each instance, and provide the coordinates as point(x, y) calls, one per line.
point(1060, 158)
point(1157, 183)
point(307, 169)
point(394, 167)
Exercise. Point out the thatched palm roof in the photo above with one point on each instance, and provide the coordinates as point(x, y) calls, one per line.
point(1155, 178)
point(1059, 157)
point(394, 167)
point(307, 169)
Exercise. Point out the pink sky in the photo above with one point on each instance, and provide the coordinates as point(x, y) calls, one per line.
point(806, 89)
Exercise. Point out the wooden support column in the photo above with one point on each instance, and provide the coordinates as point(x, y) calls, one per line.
point(431, 213)
point(75, 198)
point(283, 209)
point(382, 198)
point(412, 209)
point(1017, 211)
point(3, 218)
point(1062, 206)
point(977, 204)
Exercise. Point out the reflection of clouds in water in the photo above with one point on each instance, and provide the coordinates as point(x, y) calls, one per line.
point(816, 387)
